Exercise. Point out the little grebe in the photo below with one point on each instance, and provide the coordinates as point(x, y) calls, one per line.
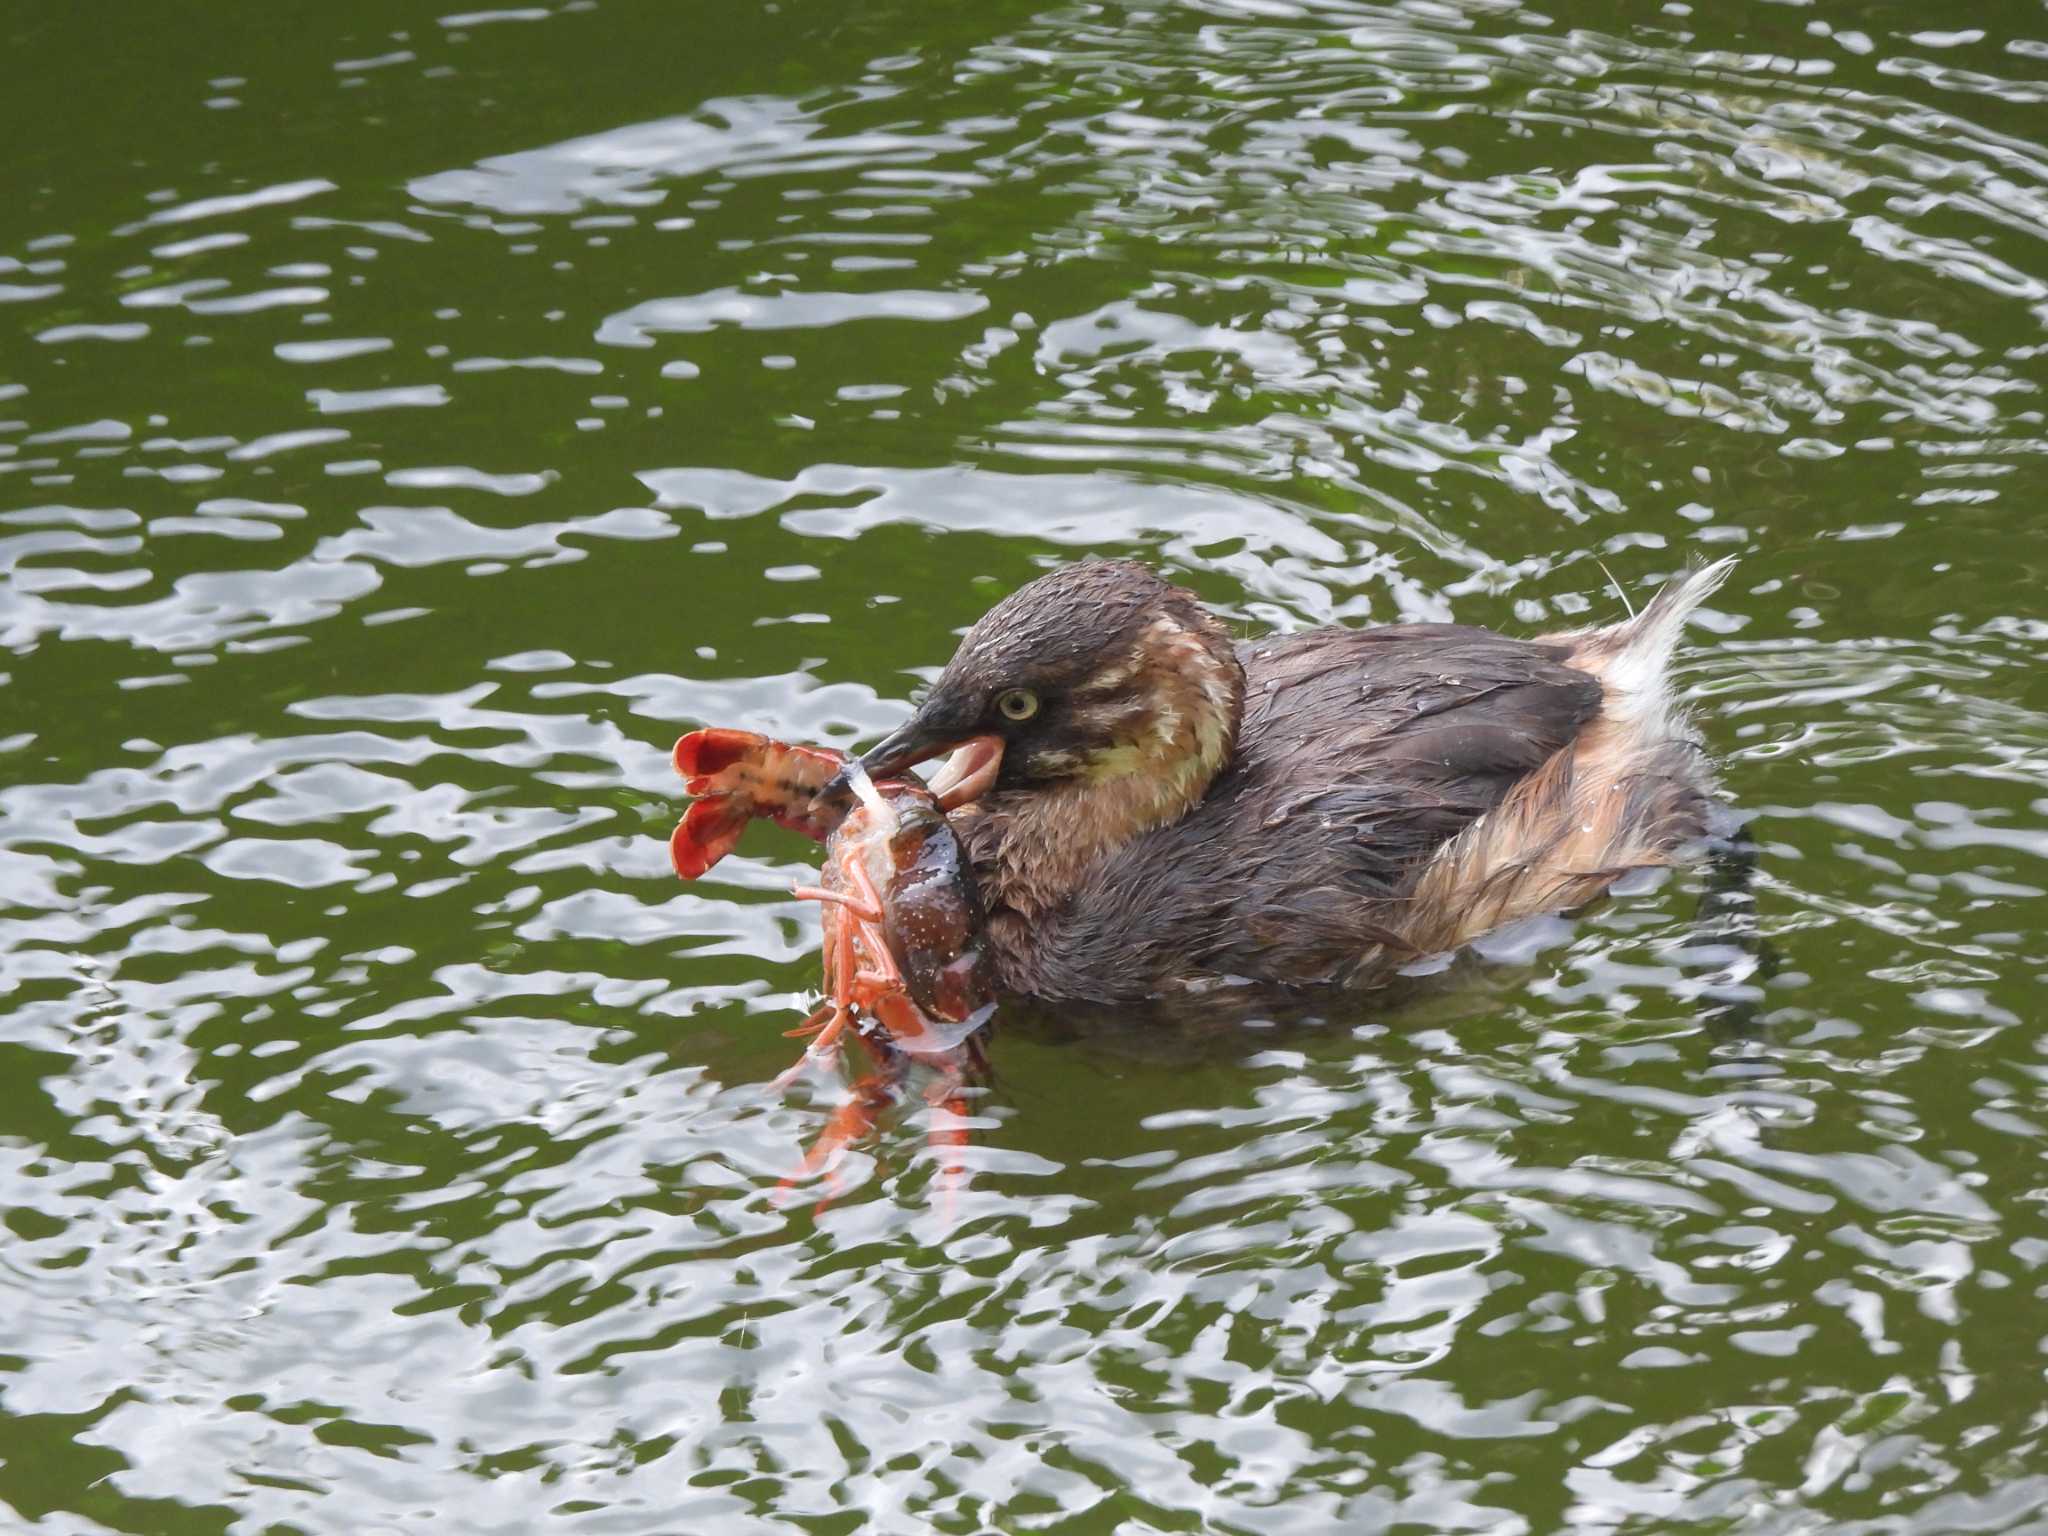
point(1150, 807)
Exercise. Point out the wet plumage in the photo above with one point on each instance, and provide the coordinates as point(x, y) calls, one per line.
point(1172, 810)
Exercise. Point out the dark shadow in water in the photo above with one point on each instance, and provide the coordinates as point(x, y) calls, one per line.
point(1727, 938)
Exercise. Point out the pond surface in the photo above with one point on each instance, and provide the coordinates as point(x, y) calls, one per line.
point(409, 425)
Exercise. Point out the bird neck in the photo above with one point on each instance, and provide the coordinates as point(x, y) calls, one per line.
point(1033, 846)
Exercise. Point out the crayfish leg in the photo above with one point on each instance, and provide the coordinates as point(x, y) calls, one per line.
point(865, 913)
point(821, 1016)
point(829, 1021)
point(824, 1048)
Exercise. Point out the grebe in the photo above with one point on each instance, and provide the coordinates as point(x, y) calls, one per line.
point(1149, 807)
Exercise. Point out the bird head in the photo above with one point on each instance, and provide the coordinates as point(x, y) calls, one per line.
point(1097, 679)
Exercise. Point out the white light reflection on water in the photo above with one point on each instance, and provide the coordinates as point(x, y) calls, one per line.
point(382, 491)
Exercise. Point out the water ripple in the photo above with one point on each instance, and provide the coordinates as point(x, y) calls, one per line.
point(406, 438)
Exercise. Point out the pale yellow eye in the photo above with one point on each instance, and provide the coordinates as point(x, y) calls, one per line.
point(1018, 704)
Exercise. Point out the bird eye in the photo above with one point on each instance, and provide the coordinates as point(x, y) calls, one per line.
point(1017, 704)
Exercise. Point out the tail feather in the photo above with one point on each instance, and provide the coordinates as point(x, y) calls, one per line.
point(1631, 657)
point(1629, 792)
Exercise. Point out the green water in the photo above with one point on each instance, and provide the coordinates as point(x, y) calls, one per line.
point(408, 425)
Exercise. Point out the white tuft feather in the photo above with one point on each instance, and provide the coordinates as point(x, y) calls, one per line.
point(1638, 650)
point(1618, 592)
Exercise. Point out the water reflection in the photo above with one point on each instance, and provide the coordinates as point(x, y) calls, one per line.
point(403, 438)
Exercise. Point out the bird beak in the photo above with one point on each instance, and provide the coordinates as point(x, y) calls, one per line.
point(968, 773)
